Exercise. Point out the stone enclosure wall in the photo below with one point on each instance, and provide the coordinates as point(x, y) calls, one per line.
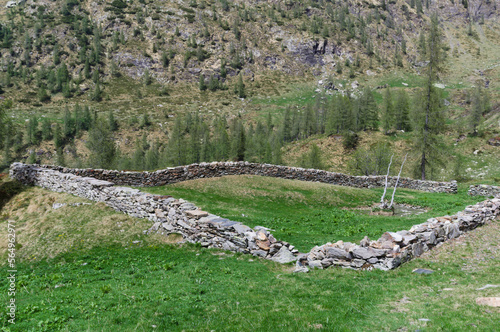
point(218, 169)
point(170, 215)
point(484, 190)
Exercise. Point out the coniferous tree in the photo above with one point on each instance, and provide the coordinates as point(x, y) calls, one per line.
point(221, 140)
point(31, 158)
point(58, 140)
point(176, 145)
point(367, 117)
point(223, 71)
point(101, 145)
point(113, 124)
point(240, 87)
point(68, 125)
point(429, 113)
point(152, 157)
point(18, 141)
point(46, 130)
point(388, 116)
point(7, 144)
point(476, 111)
point(402, 109)
point(201, 83)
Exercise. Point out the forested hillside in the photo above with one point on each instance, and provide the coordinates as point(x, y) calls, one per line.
point(325, 84)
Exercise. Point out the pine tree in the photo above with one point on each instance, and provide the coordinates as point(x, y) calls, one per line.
point(152, 157)
point(58, 140)
point(165, 59)
point(32, 158)
point(221, 140)
point(367, 111)
point(476, 111)
point(112, 123)
point(223, 71)
point(388, 117)
point(314, 157)
point(201, 83)
point(147, 77)
point(101, 145)
point(402, 111)
point(176, 145)
point(240, 87)
point(46, 130)
point(429, 114)
point(68, 125)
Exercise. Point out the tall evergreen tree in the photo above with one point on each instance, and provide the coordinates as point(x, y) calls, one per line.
point(101, 145)
point(476, 111)
point(402, 111)
point(388, 117)
point(429, 113)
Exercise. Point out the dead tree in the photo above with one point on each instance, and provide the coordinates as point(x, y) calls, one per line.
point(397, 181)
point(382, 203)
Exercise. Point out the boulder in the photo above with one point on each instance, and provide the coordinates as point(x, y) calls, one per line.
point(284, 256)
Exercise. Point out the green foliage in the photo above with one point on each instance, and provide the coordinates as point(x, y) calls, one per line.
point(240, 87)
point(101, 145)
point(201, 84)
point(388, 115)
point(350, 140)
point(373, 160)
point(429, 111)
point(312, 158)
point(112, 123)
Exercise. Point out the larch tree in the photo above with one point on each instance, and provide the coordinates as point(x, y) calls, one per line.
point(429, 111)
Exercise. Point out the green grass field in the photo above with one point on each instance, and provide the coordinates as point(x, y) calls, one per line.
point(164, 288)
point(88, 268)
point(307, 213)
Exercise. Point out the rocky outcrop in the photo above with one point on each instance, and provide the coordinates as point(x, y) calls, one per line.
point(218, 169)
point(484, 190)
point(177, 216)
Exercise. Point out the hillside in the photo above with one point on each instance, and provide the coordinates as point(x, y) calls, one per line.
point(143, 61)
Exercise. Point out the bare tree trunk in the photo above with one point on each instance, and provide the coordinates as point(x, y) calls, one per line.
point(397, 181)
point(382, 204)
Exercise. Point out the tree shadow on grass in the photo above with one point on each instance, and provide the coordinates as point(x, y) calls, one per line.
point(9, 189)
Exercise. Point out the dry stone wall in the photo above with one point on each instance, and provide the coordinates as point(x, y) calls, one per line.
point(484, 190)
point(393, 249)
point(218, 169)
point(170, 215)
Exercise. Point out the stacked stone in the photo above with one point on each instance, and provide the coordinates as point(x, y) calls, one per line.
point(218, 169)
point(178, 216)
point(392, 249)
point(484, 190)
point(169, 214)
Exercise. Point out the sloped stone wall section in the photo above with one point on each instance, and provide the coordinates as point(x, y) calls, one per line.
point(170, 215)
point(484, 190)
point(218, 169)
point(393, 249)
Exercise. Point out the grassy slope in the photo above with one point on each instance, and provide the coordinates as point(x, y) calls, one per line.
point(165, 288)
point(307, 213)
point(110, 284)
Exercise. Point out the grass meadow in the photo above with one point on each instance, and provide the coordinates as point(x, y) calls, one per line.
point(88, 268)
